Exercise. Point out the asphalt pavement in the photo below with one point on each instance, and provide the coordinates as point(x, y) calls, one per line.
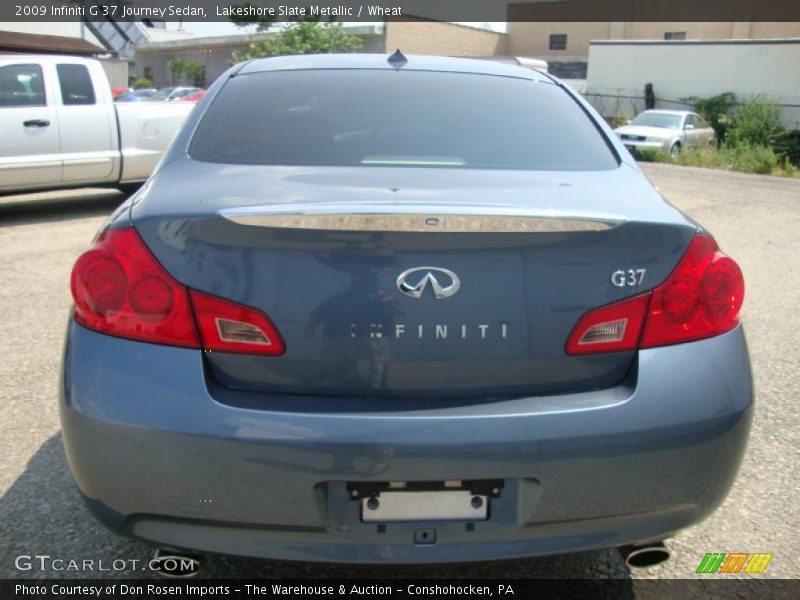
point(756, 219)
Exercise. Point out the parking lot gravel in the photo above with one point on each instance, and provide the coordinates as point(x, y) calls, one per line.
point(756, 219)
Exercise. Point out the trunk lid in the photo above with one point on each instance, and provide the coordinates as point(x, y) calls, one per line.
point(348, 264)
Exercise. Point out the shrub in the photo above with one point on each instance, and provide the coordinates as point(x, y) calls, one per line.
point(651, 155)
point(142, 82)
point(789, 169)
point(756, 123)
point(716, 110)
point(752, 159)
point(787, 147)
point(748, 159)
point(709, 157)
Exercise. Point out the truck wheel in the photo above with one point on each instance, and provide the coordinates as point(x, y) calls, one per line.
point(128, 188)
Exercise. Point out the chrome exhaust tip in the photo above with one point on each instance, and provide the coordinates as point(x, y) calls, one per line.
point(175, 563)
point(641, 556)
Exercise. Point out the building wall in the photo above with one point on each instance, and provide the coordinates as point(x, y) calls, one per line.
point(713, 30)
point(693, 31)
point(73, 29)
point(619, 71)
point(116, 70)
point(774, 30)
point(444, 39)
point(533, 39)
point(155, 64)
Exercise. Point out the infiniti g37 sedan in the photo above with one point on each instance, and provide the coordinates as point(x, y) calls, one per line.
point(404, 310)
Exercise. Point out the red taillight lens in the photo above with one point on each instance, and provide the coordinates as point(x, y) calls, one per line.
point(612, 328)
point(701, 298)
point(120, 288)
point(228, 327)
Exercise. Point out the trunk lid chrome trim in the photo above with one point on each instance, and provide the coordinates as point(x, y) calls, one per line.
point(419, 219)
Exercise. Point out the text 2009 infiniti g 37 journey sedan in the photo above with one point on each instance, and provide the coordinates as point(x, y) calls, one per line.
point(402, 310)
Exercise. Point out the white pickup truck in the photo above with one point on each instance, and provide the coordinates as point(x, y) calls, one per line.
point(60, 128)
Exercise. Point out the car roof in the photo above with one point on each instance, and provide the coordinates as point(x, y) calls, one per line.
point(46, 59)
point(671, 112)
point(380, 61)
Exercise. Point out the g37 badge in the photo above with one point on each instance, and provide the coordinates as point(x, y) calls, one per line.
point(628, 277)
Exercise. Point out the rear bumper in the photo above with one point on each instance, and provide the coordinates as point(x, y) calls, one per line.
point(159, 457)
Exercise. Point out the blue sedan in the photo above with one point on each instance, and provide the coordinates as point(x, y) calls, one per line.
point(407, 310)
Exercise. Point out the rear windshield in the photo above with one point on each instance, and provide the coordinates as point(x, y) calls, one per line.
point(398, 118)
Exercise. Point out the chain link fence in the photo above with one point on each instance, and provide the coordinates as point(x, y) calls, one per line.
point(616, 109)
point(619, 108)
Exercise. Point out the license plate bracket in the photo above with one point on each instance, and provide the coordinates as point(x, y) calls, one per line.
point(456, 500)
point(456, 505)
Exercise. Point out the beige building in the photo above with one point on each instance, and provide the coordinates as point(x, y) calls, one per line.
point(570, 40)
point(445, 39)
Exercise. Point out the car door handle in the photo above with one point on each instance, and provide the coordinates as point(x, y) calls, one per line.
point(36, 123)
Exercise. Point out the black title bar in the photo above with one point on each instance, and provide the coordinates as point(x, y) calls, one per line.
point(618, 589)
point(379, 10)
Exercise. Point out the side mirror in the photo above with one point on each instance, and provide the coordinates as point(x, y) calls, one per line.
point(628, 122)
point(688, 127)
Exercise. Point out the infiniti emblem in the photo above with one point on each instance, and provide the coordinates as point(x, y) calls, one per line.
point(414, 281)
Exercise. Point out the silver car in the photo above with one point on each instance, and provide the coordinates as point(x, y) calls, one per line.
point(172, 93)
point(667, 130)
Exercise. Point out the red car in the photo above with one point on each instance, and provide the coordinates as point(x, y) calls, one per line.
point(119, 90)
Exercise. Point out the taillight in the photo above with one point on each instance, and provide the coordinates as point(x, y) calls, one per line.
point(119, 288)
point(612, 328)
point(701, 298)
point(229, 327)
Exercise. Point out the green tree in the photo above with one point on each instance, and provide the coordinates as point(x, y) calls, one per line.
point(186, 71)
point(303, 37)
point(195, 73)
point(262, 24)
point(177, 68)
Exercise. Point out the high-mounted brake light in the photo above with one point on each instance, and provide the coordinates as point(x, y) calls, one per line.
point(119, 288)
point(701, 298)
